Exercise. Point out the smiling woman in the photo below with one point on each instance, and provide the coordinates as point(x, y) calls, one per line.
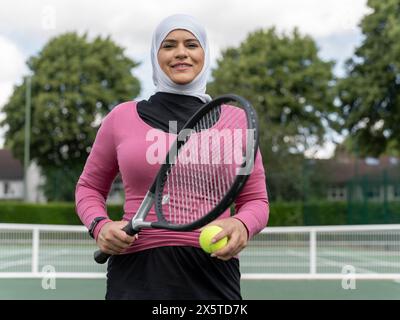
point(159, 263)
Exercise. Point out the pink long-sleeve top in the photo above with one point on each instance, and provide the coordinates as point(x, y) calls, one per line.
point(120, 146)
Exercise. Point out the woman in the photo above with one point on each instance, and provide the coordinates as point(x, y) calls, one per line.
point(162, 264)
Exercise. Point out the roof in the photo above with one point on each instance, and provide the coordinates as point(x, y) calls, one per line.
point(10, 168)
point(343, 170)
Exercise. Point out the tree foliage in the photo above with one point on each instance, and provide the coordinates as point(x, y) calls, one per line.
point(369, 94)
point(291, 88)
point(75, 82)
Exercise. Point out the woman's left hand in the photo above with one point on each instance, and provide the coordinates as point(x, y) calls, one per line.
point(237, 235)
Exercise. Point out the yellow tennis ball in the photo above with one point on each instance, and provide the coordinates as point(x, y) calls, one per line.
point(206, 236)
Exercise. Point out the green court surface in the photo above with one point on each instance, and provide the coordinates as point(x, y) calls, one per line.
point(94, 289)
point(319, 290)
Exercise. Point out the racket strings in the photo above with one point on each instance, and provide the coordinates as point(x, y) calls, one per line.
point(204, 171)
point(200, 180)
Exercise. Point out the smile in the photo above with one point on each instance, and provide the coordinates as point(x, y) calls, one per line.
point(181, 66)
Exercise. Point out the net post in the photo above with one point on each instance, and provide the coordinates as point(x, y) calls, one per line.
point(35, 250)
point(313, 251)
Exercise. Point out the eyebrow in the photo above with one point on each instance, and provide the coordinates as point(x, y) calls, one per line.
point(187, 40)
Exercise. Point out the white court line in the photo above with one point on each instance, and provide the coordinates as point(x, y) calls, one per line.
point(25, 261)
point(336, 264)
point(47, 259)
point(321, 252)
point(369, 261)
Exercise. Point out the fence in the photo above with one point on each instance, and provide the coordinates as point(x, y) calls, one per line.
point(365, 252)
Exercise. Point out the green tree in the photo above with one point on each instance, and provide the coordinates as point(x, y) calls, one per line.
point(75, 82)
point(369, 94)
point(291, 88)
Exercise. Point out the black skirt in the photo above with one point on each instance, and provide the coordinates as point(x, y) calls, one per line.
point(172, 273)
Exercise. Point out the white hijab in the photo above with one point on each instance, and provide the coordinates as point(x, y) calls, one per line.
point(197, 87)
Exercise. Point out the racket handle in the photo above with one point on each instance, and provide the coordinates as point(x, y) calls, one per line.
point(100, 257)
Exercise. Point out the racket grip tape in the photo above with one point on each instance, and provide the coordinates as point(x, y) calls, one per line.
point(100, 257)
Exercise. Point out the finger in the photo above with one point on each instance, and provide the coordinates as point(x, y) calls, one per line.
point(225, 252)
point(122, 236)
point(224, 258)
point(110, 249)
point(230, 253)
point(113, 240)
point(230, 249)
point(117, 245)
point(127, 238)
point(220, 235)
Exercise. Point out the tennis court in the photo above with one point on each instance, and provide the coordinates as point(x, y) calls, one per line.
point(348, 262)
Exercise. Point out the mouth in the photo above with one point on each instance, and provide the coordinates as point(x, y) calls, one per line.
point(181, 66)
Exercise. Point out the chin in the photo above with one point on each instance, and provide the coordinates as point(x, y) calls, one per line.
point(182, 81)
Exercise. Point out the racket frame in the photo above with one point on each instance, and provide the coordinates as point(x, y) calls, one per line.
point(227, 200)
point(154, 194)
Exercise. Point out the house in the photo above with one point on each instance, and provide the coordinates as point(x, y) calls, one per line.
point(349, 178)
point(12, 181)
point(11, 177)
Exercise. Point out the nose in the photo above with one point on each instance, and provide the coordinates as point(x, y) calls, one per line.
point(181, 51)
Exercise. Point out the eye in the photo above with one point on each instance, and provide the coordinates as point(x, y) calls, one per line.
point(167, 45)
point(192, 45)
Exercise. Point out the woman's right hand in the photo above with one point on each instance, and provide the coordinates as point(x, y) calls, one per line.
point(112, 239)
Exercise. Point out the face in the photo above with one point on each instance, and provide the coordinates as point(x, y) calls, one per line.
point(180, 56)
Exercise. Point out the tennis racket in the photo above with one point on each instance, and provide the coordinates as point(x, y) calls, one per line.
point(204, 170)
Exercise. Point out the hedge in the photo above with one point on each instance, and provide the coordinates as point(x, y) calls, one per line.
point(281, 213)
point(51, 213)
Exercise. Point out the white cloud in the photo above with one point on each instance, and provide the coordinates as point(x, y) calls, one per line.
point(227, 21)
point(12, 67)
point(12, 62)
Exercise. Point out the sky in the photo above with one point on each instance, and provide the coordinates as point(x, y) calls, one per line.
point(26, 26)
